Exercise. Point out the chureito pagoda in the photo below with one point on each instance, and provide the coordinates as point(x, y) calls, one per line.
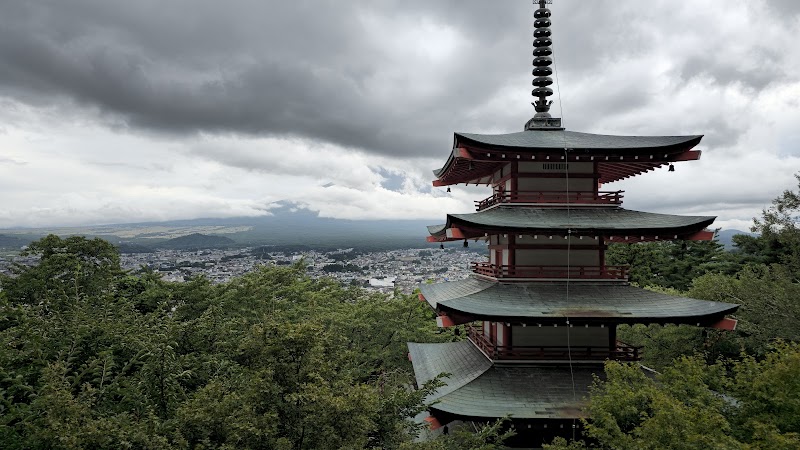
point(542, 313)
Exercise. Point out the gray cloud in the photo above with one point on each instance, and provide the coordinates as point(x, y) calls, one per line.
point(265, 68)
point(756, 71)
point(310, 69)
point(13, 161)
point(373, 88)
point(788, 10)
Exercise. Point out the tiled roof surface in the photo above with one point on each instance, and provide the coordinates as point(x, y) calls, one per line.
point(537, 392)
point(600, 220)
point(552, 139)
point(478, 389)
point(549, 300)
point(462, 360)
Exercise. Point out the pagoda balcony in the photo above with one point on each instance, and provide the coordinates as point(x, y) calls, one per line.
point(619, 352)
point(551, 272)
point(557, 197)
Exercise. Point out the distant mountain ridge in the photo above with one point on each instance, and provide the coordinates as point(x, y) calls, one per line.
point(725, 237)
point(13, 242)
point(196, 241)
point(287, 224)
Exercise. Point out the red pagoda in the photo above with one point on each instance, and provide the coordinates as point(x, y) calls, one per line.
point(542, 313)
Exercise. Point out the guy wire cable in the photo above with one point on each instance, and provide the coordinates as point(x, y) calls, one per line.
point(569, 230)
point(544, 56)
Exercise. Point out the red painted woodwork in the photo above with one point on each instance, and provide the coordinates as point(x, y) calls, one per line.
point(455, 233)
point(572, 272)
point(691, 155)
point(726, 324)
point(443, 321)
point(577, 197)
point(476, 165)
point(705, 235)
point(545, 246)
point(557, 175)
point(619, 352)
point(421, 297)
point(470, 233)
point(602, 252)
point(433, 422)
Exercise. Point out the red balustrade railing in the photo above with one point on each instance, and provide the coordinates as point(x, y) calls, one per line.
point(619, 352)
point(571, 272)
point(578, 197)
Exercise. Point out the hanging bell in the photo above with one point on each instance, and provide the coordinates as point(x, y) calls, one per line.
point(448, 189)
point(466, 244)
point(671, 168)
point(441, 246)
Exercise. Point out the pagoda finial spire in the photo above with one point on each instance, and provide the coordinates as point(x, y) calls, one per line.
point(542, 49)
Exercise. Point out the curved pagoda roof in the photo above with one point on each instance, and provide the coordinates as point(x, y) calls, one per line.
point(604, 221)
point(553, 302)
point(476, 156)
point(530, 392)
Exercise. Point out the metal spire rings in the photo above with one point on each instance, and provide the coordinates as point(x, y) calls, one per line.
point(541, 60)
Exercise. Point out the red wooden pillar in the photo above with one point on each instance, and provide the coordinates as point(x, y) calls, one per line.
point(512, 251)
point(514, 180)
point(602, 242)
point(596, 180)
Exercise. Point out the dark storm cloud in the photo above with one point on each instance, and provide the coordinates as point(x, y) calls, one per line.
point(284, 68)
point(313, 69)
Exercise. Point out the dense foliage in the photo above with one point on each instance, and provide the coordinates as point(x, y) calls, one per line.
point(746, 404)
point(97, 358)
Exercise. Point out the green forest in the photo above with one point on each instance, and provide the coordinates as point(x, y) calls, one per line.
point(96, 357)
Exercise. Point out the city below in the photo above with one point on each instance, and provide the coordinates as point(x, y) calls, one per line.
point(383, 271)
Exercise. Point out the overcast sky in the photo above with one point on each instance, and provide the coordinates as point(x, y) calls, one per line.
point(128, 111)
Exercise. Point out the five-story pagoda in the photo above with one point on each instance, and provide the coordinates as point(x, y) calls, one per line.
point(542, 312)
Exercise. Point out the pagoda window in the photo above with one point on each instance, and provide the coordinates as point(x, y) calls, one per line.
point(547, 257)
point(550, 336)
point(552, 177)
point(531, 184)
point(557, 167)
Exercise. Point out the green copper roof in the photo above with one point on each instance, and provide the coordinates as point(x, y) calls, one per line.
point(539, 392)
point(461, 360)
point(476, 388)
point(602, 220)
point(559, 140)
point(437, 229)
point(548, 302)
